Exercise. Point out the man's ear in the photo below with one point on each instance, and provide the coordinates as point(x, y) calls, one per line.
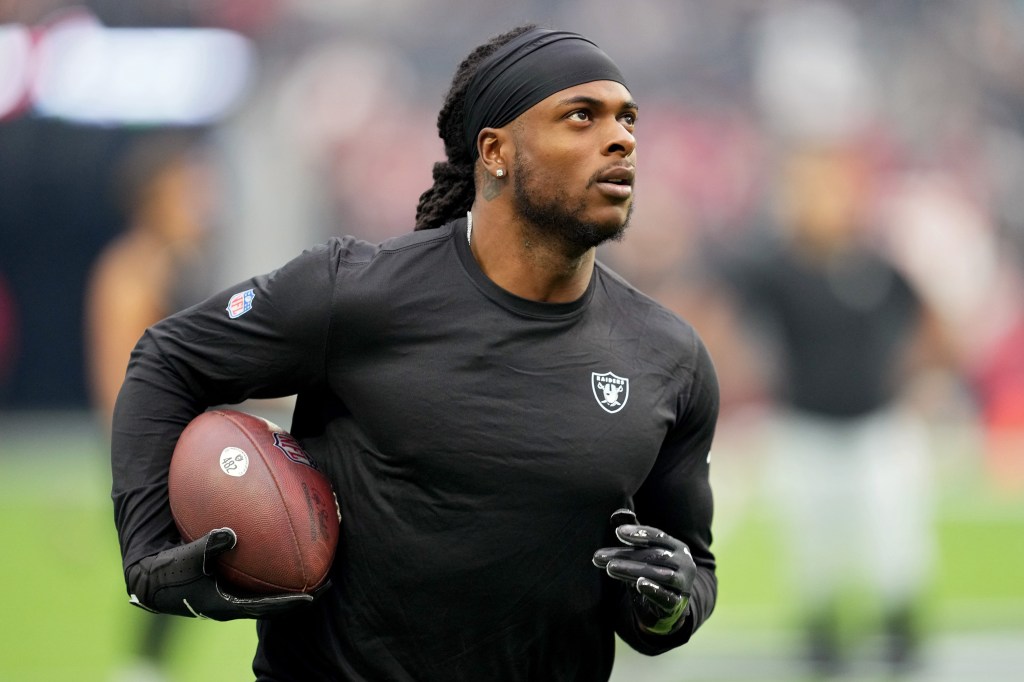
point(494, 145)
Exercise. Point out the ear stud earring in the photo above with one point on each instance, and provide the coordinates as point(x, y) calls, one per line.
point(500, 173)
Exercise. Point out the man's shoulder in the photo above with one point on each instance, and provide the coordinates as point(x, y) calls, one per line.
point(660, 323)
point(349, 250)
point(418, 239)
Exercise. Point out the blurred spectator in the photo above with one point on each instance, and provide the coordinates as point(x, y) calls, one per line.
point(840, 332)
point(158, 264)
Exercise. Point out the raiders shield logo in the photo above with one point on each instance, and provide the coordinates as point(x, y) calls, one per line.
point(611, 391)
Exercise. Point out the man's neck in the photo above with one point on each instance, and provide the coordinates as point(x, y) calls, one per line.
point(517, 261)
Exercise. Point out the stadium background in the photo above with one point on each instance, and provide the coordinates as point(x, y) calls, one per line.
point(319, 118)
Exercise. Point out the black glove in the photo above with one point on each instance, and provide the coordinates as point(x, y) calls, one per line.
point(657, 565)
point(179, 581)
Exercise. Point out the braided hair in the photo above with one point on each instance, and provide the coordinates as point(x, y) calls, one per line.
point(454, 187)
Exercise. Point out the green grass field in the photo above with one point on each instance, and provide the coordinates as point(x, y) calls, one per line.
point(65, 614)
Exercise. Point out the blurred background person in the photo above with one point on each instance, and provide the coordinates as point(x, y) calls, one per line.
point(840, 333)
point(159, 264)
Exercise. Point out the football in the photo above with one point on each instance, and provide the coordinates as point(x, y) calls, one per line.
point(236, 470)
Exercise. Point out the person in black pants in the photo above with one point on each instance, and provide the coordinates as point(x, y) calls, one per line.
point(845, 333)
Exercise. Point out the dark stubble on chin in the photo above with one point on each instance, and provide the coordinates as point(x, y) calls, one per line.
point(550, 213)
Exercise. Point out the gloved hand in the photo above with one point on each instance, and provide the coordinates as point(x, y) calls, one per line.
point(657, 565)
point(179, 581)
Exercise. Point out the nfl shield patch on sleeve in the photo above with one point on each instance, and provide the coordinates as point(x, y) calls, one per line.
point(240, 303)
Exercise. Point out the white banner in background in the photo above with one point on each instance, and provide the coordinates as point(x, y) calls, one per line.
point(81, 71)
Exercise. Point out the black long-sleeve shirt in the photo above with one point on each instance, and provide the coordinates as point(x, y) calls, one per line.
point(477, 442)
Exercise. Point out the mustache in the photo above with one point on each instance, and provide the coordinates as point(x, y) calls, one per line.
point(629, 167)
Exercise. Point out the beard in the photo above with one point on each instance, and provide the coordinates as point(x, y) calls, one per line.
point(552, 214)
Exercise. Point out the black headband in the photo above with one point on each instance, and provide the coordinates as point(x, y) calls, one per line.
point(524, 71)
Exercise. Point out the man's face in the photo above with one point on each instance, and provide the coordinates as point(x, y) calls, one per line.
point(573, 169)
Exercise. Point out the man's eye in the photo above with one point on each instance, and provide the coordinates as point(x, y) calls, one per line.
point(629, 119)
point(579, 116)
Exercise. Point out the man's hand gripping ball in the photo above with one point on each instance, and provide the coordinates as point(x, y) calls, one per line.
point(180, 581)
point(658, 566)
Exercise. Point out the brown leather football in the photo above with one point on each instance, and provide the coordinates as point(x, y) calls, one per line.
point(236, 470)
